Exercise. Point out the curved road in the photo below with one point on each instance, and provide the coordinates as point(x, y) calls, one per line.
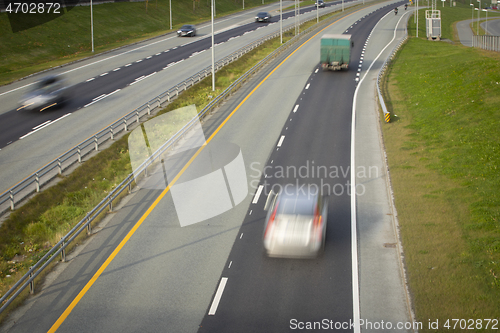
point(165, 277)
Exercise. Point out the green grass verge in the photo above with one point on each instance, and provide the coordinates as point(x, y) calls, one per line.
point(443, 152)
point(68, 37)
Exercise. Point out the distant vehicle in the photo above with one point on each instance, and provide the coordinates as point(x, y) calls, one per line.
point(263, 17)
point(335, 52)
point(295, 224)
point(187, 30)
point(49, 92)
point(320, 3)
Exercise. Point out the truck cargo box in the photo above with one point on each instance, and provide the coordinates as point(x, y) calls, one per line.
point(335, 51)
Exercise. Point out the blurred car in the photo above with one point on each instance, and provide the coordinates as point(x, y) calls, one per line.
point(263, 17)
point(295, 223)
point(187, 30)
point(320, 3)
point(49, 92)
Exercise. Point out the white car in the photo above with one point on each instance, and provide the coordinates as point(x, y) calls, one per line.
point(295, 224)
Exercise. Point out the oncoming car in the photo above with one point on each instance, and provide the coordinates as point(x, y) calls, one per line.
point(320, 3)
point(295, 223)
point(187, 30)
point(49, 92)
point(263, 17)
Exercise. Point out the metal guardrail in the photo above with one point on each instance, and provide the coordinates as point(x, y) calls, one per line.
point(126, 184)
point(387, 114)
point(34, 182)
point(486, 42)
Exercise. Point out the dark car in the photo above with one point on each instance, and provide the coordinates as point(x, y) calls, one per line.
point(320, 3)
point(296, 223)
point(187, 30)
point(49, 92)
point(263, 17)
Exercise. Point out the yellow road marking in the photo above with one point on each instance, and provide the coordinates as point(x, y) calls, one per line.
point(89, 284)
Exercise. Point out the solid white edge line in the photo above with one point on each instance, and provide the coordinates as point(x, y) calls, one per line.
point(354, 243)
point(281, 141)
point(257, 194)
point(295, 108)
point(50, 123)
point(218, 295)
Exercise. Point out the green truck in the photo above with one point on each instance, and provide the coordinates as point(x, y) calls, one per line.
point(335, 51)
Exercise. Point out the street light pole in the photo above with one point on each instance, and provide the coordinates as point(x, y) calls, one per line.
point(486, 10)
point(213, 53)
point(170, 5)
point(92, 24)
point(281, 21)
point(478, 16)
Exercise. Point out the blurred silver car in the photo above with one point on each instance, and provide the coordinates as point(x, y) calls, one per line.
point(187, 30)
point(49, 92)
point(296, 223)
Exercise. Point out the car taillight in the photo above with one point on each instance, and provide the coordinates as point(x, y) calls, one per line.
point(317, 224)
point(271, 220)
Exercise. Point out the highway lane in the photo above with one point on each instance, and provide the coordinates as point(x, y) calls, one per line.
point(165, 276)
point(25, 156)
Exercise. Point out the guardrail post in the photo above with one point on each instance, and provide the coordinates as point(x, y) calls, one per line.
point(137, 114)
point(89, 227)
point(168, 96)
point(176, 90)
point(159, 102)
point(11, 200)
point(96, 143)
point(37, 182)
point(125, 124)
point(59, 165)
point(112, 133)
point(79, 152)
point(32, 282)
point(110, 204)
point(63, 252)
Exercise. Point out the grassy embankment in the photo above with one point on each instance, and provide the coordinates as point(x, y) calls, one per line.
point(36, 226)
point(68, 37)
point(443, 151)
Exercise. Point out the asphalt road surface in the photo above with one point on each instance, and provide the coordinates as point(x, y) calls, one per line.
point(163, 277)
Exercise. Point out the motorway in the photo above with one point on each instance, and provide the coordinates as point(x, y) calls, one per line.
point(142, 271)
point(113, 84)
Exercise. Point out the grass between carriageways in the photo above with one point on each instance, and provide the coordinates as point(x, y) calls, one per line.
point(68, 37)
point(443, 152)
point(32, 229)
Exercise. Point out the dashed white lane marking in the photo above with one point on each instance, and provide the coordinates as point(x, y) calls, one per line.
point(103, 74)
point(116, 69)
point(218, 296)
point(281, 141)
point(39, 127)
point(91, 79)
point(97, 99)
point(158, 53)
point(142, 78)
point(230, 263)
point(241, 235)
point(139, 60)
point(295, 108)
point(307, 87)
point(149, 57)
point(48, 121)
point(317, 69)
point(128, 65)
point(257, 194)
